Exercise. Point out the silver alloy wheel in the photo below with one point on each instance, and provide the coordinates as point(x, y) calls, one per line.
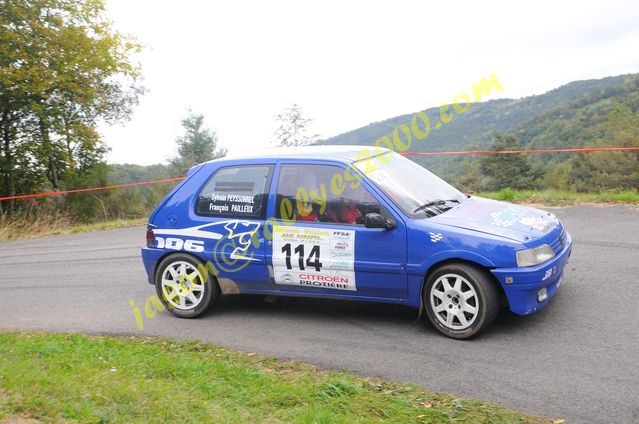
point(454, 301)
point(182, 285)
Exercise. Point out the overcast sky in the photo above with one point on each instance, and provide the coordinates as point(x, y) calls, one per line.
point(349, 63)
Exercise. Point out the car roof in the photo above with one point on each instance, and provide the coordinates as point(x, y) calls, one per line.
point(347, 154)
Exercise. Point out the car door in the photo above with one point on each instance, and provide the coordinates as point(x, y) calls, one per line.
point(229, 214)
point(319, 242)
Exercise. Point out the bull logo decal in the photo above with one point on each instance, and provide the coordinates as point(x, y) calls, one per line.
point(241, 233)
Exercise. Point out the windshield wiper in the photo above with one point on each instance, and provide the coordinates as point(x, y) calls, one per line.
point(438, 202)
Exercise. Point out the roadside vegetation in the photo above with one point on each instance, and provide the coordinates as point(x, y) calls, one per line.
point(54, 377)
point(552, 197)
point(25, 226)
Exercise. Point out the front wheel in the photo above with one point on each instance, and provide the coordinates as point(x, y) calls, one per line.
point(460, 300)
point(184, 286)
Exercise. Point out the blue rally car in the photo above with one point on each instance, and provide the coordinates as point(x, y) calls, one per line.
point(350, 223)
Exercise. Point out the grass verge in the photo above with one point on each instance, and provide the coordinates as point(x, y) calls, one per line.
point(106, 225)
point(562, 198)
point(23, 227)
point(56, 377)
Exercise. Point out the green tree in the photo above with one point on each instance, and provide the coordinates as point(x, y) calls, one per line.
point(470, 179)
point(506, 170)
point(197, 145)
point(62, 70)
point(610, 170)
point(293, 129)
point(557, 175)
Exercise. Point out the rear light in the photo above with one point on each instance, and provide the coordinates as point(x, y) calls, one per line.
point(150, 238)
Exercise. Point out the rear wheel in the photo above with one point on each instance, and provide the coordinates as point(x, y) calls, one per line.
point(460, 300)
point(183, 288)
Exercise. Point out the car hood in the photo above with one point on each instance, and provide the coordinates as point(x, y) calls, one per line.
point(520, 223)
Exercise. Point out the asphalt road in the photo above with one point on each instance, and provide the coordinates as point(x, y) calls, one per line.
point(577, 359)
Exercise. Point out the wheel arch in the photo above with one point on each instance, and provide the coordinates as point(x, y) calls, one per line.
point(483, 267)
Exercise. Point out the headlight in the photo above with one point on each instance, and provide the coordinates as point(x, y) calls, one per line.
point(535, 256)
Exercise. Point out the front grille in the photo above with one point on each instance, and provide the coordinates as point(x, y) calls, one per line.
point(558, 244)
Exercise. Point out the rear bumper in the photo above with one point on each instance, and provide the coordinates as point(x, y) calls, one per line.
point(523, 292)
point(150, 258)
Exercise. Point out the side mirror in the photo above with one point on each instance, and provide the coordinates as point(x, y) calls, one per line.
point(375, 220)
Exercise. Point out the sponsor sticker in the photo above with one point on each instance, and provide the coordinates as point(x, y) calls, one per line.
point(222, 202)
point(536, 222)
point(314, 257)
point(233, 239)
point(507, 217)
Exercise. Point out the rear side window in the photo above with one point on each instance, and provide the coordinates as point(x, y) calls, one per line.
point(236, 191)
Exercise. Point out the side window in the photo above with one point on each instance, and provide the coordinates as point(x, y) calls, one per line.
point(236, 191)
point(322, 193)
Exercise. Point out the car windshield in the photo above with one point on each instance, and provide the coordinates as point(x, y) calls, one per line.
point(415, 190)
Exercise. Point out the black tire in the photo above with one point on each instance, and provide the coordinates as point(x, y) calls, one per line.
point(209, 296)
point(485, 300)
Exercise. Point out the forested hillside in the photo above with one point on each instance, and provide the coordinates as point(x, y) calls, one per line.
point(603, 112)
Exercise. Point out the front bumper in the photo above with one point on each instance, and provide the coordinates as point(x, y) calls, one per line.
point(524, 283)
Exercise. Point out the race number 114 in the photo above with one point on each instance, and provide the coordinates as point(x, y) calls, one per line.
point(312, 261)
